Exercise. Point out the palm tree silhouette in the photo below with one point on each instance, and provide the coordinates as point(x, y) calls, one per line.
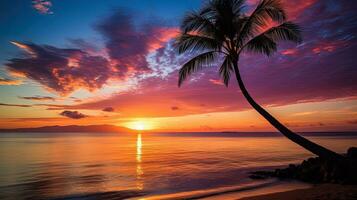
point(221, 29)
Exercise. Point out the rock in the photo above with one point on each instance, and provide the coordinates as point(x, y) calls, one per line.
point(352, 152)
point(318, 170)
point(261, 174)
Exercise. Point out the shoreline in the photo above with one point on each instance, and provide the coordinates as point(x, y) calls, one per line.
point(234, 192)
point(321, 192)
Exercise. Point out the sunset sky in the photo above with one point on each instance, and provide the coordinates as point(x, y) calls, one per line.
point(65, 62)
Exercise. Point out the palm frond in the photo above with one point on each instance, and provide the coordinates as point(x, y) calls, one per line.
point(188, 43)
point(266, 42)
point(261, 44)
point(198, 22)
point(266, 9)
point(238, 6)
point(287, 31)
point(239, 23)
point(226, 69)
point(195, 64)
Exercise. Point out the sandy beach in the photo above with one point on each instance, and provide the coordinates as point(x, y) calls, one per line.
point(321, 192)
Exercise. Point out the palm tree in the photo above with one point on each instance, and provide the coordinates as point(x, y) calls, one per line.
point(222, 30)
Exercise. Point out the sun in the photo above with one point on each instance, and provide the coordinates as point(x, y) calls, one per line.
point(139, 125)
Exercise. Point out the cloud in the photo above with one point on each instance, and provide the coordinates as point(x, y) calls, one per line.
point(174, 108)
point(65, 70)
point(15, 105)
point(305, 113)
point(328, 46)
point(42, 6)
point(216, 82)
point(61, 70)
point(128, 45)
point(294, 8)
point(108, 109)
point(39, 98)
point(5, 81)
point(73, 114)
point(289, 52)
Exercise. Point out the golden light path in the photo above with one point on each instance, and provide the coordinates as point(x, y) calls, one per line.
point(139, 170)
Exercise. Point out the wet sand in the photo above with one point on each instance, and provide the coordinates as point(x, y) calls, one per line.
point(235, 192)
point(321, 192)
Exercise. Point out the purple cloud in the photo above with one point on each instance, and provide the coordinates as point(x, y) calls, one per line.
point(128, 45)
point(64, 70)
point(108, 109)
point(73, 114)
point(61, 70)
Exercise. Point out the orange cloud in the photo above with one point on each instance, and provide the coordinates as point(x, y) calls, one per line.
point(161, 36)
point(25, 47)
point(4, 81)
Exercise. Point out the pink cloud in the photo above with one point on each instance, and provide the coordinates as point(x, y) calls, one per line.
point(289, 52)
point(216, 82)
point(328, 46)
point(42, 6)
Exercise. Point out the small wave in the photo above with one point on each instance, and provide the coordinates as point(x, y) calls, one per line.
point(199, 194)
point(113, 195)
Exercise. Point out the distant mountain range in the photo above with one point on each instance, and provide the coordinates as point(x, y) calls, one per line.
point(73, 128)
point(119, 129)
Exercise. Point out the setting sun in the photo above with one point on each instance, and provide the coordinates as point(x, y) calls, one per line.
point(139, 125)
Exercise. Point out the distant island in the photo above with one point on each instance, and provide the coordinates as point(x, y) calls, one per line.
point(72, 128)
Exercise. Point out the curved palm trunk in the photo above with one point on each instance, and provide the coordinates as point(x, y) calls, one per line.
point(312, 147)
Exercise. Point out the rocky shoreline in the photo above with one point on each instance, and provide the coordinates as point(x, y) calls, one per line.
point(318, 170)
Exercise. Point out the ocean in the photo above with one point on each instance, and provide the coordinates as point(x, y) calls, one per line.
point(145, 165)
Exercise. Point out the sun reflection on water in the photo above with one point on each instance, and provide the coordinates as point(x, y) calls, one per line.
point(139, 170)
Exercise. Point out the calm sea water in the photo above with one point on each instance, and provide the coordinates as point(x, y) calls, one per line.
point(64, 165)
